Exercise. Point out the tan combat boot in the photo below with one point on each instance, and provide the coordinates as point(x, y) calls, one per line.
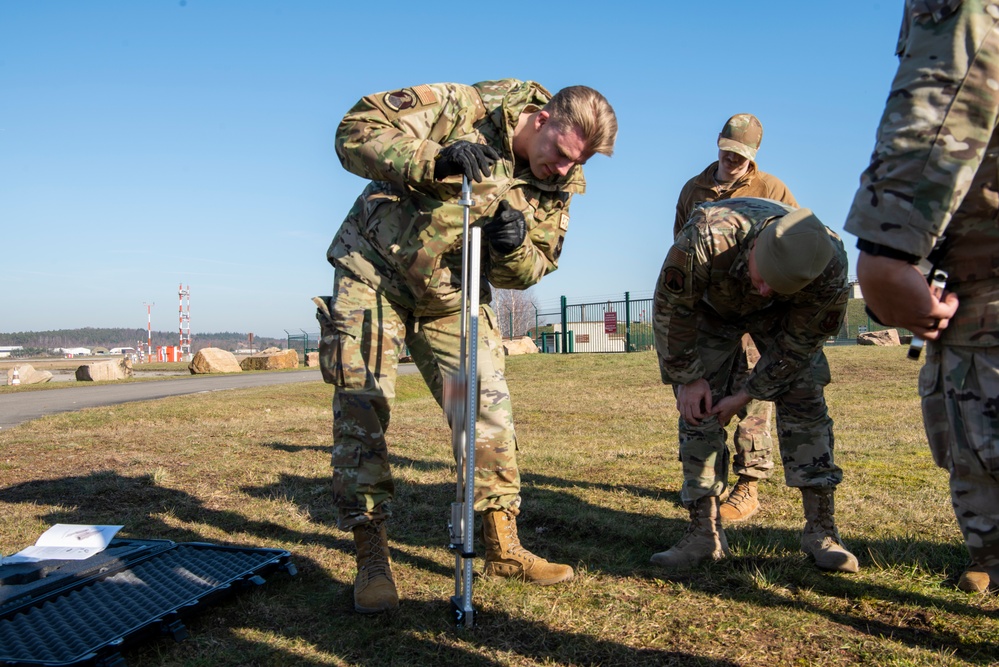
point(820, 538)
point(743, 502)
point(374, 587)
point(505, 557)
point(704, 541)
point(975, 579)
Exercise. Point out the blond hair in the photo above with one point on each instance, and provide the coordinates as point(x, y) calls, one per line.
point(585, 108)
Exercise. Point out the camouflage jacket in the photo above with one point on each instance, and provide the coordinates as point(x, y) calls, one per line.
point(933, 178)
point(403, 235)
point(704, 285)
point(704, 188)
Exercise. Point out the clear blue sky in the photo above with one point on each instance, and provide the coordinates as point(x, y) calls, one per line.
point(148, 144)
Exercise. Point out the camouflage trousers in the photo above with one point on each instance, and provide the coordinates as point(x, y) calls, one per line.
point(753, 443)
point(959, 387)
point(804, 427)
point(362, 346)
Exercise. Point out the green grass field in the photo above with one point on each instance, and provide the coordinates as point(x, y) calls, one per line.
point(601, 478)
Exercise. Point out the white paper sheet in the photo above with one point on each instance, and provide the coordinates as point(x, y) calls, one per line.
point(65, 541)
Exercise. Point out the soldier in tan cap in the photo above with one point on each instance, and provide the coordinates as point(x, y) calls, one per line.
point(735, 175)
point(760, 267)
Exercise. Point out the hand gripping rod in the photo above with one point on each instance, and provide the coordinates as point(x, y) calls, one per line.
point(461, 405)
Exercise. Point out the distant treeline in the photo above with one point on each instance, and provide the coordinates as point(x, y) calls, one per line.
point(109, 338)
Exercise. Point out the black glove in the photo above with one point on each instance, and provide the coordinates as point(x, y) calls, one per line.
point(507, 229)
point(464, 157)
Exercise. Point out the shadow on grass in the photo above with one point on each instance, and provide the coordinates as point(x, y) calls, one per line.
point(315, 608)
point(138, 503)
point(912, 619)
point(620, 543)
point(315, 612)
point(562, 527)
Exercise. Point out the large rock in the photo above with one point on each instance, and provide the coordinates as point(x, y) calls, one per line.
point(102, 371)
point(522, 345)
point(884, 338)
point(312, 359)
point(270, 361)
point(27, 374)
point(213, 360)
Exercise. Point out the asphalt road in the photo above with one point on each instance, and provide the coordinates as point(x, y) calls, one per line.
point(18, 408)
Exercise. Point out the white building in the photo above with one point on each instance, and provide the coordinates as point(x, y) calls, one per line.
point(74, 351)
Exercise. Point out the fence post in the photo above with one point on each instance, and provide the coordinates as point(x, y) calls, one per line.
point(537, 333)
point(627, 322)
point(565, 327)
point(511, 322)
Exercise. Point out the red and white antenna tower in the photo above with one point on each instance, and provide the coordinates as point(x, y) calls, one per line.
point(185, 321)
point(149, 330)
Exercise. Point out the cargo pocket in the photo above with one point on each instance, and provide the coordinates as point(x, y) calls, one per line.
point(329, 343)
point(980, 415)
point(935, 419)
point(820, 369)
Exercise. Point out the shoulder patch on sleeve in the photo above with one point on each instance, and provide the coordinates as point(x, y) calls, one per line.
point(401, 100)
point(677, 256)
point(425, 94)
point(563, 222)
point(674, 279)
point(676, 270)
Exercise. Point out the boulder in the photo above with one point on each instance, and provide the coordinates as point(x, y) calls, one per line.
point(522, 345)
point(312, 359)
point(213, 360)
point(102, 371)
point(27, 374)
point(884, 338)
point(270, 361)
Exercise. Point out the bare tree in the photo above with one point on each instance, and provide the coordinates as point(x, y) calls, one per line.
point(516, 308)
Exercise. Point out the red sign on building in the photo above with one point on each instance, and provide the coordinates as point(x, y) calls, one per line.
point(610, 322)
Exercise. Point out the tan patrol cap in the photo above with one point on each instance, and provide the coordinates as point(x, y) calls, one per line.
point(793, 251)
point(742, 134)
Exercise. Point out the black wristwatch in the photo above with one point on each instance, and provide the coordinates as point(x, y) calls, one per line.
point(878, 250)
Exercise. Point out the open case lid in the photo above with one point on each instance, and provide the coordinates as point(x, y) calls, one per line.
point(84, 612)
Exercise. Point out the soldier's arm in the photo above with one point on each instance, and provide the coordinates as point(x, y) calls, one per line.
point(683, 209)
point(680, 220)
point(682, 282)
point(547, 224)
point(814, 314)
point(940, 114)
point(394, 136)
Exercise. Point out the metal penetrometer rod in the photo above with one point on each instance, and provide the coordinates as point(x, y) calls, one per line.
point(462, 411)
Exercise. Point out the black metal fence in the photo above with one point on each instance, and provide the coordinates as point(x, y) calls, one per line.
point(607, 326)
point(303, 342)
point(625, 325)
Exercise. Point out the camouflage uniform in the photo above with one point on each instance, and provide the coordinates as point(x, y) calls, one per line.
point(705, 302)
point(398, 275)
point(753, 442)
point(932, 181)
